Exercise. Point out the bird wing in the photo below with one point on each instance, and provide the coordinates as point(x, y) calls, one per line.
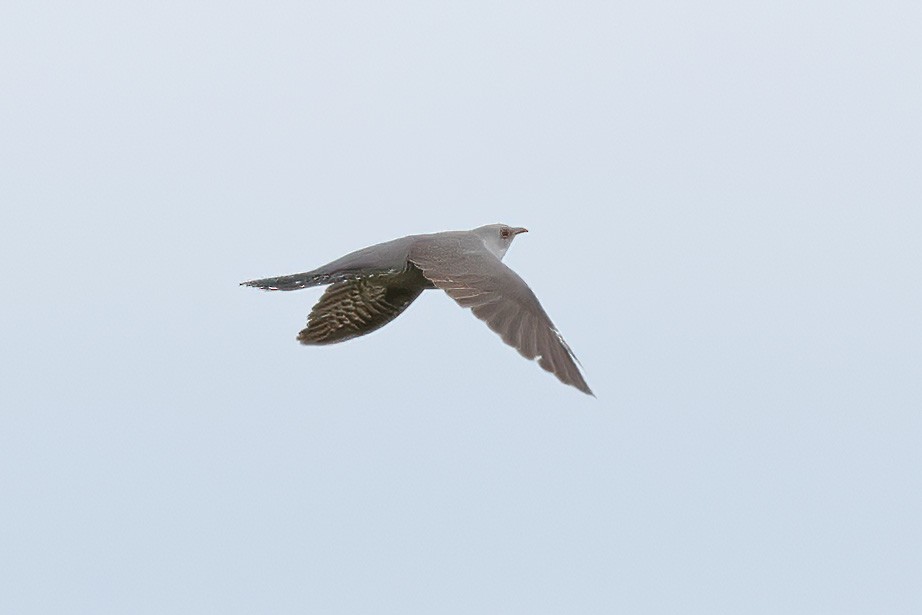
point(476, 279)
point(355, 307)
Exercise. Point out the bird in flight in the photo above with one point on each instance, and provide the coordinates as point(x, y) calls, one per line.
point(372, 286)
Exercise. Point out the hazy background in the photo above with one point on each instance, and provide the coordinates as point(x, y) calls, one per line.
point(725, 205)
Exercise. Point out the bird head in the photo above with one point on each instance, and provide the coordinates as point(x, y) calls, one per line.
point(498, 237)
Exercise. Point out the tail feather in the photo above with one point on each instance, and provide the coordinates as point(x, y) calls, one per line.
point(318, 277)
point(294, 281)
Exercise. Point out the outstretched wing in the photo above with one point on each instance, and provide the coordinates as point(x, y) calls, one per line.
point(355, 307)
point(476, 279)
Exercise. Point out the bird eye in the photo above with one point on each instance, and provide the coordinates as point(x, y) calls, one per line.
point(504, 233)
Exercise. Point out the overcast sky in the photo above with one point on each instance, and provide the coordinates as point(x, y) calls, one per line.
point(725, 206)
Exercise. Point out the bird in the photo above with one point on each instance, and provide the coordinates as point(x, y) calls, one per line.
point(370, 287)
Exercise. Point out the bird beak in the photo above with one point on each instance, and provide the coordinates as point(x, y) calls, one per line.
point(518, 230)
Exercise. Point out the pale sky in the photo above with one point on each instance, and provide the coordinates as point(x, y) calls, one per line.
point(725, 207)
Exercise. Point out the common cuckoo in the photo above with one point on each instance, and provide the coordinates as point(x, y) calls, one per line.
point(372, 286)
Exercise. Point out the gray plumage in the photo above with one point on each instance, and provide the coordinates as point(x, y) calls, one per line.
point(372, 286)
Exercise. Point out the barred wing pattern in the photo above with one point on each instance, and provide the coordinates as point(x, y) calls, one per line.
point(476, 279)
point(355, 307)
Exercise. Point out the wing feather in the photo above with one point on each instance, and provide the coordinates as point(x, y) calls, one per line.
point(476, 279)
point(351, 308)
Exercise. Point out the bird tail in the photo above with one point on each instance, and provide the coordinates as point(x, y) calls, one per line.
point(294, 281)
